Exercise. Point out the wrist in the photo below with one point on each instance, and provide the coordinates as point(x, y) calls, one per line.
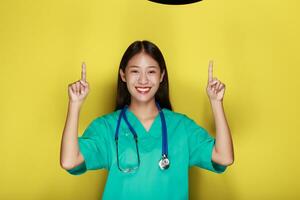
point(74, 104)
point(216, 101)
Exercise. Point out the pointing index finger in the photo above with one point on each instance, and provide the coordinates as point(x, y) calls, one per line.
point(210, 70)
point(83, 72)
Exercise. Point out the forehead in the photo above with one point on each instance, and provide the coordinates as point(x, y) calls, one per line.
point(142, 60)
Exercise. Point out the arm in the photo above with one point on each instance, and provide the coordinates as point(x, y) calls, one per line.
point(70, 155)
point(223, 149)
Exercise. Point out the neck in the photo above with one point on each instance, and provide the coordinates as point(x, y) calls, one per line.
point(144, 110)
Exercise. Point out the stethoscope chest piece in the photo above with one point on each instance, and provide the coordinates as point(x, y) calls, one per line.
point(164, 163)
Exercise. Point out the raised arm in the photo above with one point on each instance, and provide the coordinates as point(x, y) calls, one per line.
point(70, 155)
point(223, 149)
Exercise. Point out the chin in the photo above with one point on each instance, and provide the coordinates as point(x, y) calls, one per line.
point(143, 98)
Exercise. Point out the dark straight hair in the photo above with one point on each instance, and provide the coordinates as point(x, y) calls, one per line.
point(162, 94)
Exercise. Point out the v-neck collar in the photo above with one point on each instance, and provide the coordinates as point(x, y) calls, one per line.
point(155, 128)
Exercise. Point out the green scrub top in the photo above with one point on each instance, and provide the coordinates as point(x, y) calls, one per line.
point(188, 145)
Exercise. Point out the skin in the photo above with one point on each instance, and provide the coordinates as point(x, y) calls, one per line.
point(70, 156)
point(223, 149)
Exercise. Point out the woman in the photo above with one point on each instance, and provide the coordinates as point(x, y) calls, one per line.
point(146, 146)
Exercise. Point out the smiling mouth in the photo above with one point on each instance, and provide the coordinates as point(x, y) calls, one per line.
point(143, 90)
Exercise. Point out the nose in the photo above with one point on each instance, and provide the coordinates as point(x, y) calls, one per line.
point(143, 78)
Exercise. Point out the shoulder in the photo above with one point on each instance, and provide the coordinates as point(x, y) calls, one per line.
point(182, 118)
point(111, 116)
point(106, 117)
point(169, 115)
point(172, 114)
point(176, 116)
point(103, 122)
point(115, 114)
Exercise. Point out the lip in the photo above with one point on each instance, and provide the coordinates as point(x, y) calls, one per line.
point(143, 92)
point(143, 87)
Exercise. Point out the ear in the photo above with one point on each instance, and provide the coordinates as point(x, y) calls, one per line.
point(122, 75)
point(162, 76)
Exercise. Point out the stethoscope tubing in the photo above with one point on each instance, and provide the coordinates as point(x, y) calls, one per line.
point(164, 132)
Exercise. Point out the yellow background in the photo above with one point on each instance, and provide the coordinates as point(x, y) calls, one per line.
point(255, 46)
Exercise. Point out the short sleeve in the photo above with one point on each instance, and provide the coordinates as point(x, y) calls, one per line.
point(92, 145)
point(201, 145)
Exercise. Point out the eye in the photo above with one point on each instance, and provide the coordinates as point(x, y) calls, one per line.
point(134, 71)
point(152, 71)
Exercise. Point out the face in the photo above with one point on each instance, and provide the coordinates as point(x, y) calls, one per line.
point(142, 76)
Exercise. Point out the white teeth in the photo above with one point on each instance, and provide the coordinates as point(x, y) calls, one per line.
point(143, 89)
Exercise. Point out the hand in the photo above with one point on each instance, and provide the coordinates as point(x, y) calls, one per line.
point(215, 89)
point(79, 89)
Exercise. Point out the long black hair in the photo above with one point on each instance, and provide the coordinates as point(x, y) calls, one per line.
point(162, 94)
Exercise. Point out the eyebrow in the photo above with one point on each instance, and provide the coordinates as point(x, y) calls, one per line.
point(151, 66)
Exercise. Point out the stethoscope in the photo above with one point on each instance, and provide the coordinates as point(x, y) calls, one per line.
point(164, 162)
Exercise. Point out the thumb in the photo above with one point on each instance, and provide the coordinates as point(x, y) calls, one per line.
point(212, 82)
point(85, 84)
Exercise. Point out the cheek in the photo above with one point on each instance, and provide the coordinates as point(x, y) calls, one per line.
point(131, 81)
point(155, 80)
point(131, 84)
